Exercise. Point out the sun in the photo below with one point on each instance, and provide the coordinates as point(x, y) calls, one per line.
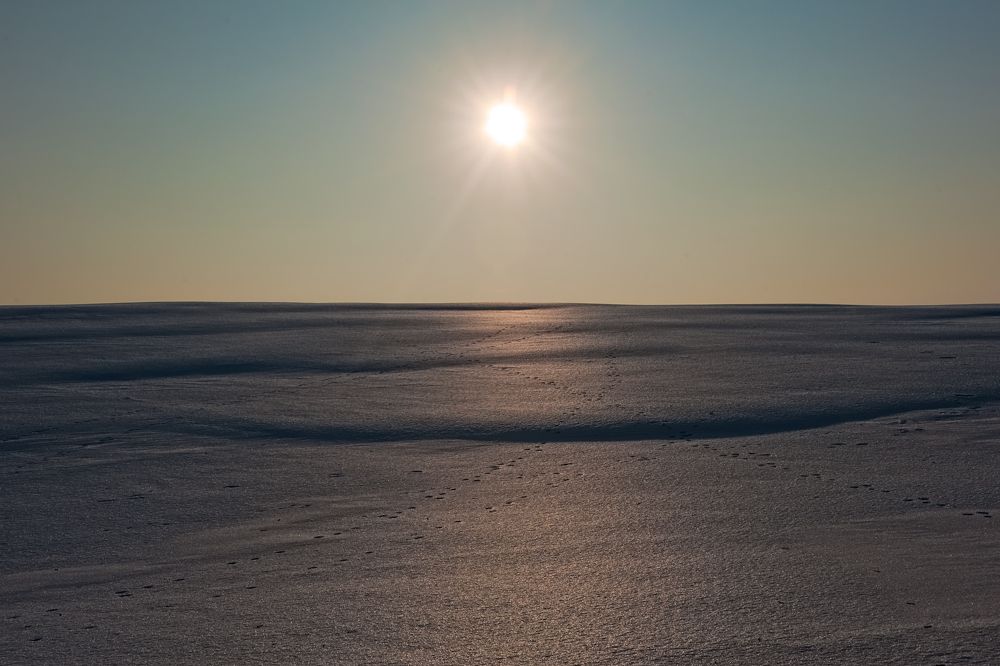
point(506, 124)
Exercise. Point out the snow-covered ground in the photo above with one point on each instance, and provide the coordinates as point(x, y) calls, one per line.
point(226, 483)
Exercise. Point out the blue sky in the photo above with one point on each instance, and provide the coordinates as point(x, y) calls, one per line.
point(689, 152)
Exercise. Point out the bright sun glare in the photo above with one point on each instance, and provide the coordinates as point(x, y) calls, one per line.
point(506, 124)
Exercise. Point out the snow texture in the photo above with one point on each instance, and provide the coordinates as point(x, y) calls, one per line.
point(367, 484)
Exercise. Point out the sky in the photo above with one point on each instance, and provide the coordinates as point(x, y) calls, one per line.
point(676, 152)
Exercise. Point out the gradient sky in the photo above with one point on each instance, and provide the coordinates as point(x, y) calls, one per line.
point(678, 152)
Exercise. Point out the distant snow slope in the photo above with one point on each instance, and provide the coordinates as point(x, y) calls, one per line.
point(500, 373)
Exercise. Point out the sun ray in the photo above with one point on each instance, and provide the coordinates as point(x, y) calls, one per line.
point(464, 193)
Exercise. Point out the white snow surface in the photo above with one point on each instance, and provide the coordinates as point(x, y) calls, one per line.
point(465, 484)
